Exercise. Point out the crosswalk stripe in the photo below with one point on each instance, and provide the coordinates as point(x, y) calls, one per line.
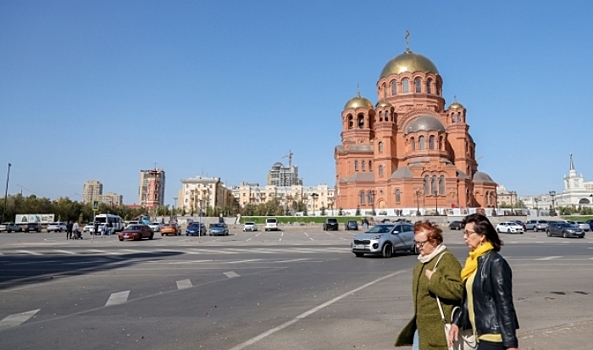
point(30, 252)
point(231, 274)
point(184, 284)
point(549, 258)
point(96, 251)
point(118, 298)
point(243, 261)
point(65, 251)
point(217, 251)
point(17, 319)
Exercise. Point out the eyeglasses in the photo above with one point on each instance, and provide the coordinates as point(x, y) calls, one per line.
point(421, 244)
point(466, 233)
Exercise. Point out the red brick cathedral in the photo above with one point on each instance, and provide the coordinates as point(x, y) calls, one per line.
point(409, 152)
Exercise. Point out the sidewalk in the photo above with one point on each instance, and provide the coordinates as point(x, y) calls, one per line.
point(571, 336)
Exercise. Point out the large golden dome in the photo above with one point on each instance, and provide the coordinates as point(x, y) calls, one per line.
point(408, 62)
point(358, 102)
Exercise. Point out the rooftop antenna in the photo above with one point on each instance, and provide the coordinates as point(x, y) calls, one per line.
point(408, 41)
point(357, 91)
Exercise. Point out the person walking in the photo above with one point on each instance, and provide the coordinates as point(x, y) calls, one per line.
point(76, 230)
point(103, 230)
point(109, 228)
point(437, 274)
point(69, 229)
point(487, 306)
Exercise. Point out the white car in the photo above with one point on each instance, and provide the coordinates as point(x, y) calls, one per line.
point(581, 224)
point(155, 226)
point(89, 228)
point(56, 227)
point(271, 224)
point(509, 227)
point(249, 226)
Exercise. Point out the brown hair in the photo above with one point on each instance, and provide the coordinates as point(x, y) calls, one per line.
point(434, 231)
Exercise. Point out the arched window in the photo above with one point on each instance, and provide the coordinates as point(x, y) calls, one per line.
point(363, 165)
point(434, 184)
point(405, 86)
point(394, 88)
point(426, 185)
point(380, 147)
point(452, 117)
point(442, 185)
point(350, 123)
point(441, 143)
point(458, 117)
point(413, 144)
point(397, 196)
point(431, 142)
point(386, 116)
point(370, 195)
point(384, 91)
point(421, 142)
point(360, 121)
point(429, 86)
point(355, 165)
point(380, 170)
point(370, 165)
point(362, 197)
point(418, 85)
point(380, 116)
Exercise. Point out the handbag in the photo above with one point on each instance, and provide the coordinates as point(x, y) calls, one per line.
point(466, 339)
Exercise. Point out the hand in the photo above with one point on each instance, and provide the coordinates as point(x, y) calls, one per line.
point(453, 334)
point(429, 273)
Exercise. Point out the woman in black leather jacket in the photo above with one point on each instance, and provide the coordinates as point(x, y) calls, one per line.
point(487, 304)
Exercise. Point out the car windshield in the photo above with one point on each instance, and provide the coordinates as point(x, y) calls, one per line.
point(381, 229)
point(217, 226)
point(332, 220)
point(134, 227)
point(249, 223)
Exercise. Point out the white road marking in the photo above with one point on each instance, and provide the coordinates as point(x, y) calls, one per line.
point(184, 284)
point(185, 262)
point(310, 312)
point(132, 250)
point(242, 261)
point(248, 239)
point(17, 319)
point(97, 251)
point(311, 238)
point(231, 274)
point(306, 234)
point(331, 234)
point(118, 298)
point(258, 234)
point(293, 260)
point(280, 240)
point(216, 251)
point(30, 252)
point(65, 251)
point(549, 258)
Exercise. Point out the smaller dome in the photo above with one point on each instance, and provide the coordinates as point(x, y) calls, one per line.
point(383, 103)
point(456, 105)
point(424, 123)
point(482, 177)
point(358, 102)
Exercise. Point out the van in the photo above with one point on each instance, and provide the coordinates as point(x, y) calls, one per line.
point(271, 224)
point(117, 224)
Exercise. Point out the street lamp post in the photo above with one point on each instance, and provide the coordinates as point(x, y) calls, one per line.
point(314, 196)
point(536, 207)
point(553, 194)
point(417, 202)
point(436, 203)
point(373, 192)
point(174, 205)
point(6, 191)
point(513, 194)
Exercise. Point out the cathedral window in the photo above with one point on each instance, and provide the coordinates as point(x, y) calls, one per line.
point(360, 121)
point(370, 165)
point(370, 195)
point(413, 144)
point(434, 184)
point(380, 116)
point(441, 143)
point(386, 116)
point(421, 142)
point(380, 170)
point(355, 165)
point(405, 86)
point(380, 147)
point(384, 91)
point(362, 196)
point(350, 122)
point(418, 85)
point(452, 117)
point(363, 165)
point(458, 117)
point(393, 88)
point(442, 185)
point(397, 196)
point(431, 142)
point(429, 86)
point(426, 185)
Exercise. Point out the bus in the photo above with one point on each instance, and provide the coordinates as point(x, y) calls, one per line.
point(115, 220)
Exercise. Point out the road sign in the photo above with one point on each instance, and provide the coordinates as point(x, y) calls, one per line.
point(95, 205)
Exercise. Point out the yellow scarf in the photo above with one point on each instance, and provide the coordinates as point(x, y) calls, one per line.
point(471, 264)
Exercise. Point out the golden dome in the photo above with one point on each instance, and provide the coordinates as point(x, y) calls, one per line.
point(456, 105)
point(383, 104)
point(409, 62)
point(358, 102)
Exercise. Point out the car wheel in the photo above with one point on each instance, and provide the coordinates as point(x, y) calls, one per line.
point(415, 250)
point(548, 233)
point(564, 234)
point(151, 236)
point(387, 251)
point(121, 239)
point(359, 255)
point(498, 230)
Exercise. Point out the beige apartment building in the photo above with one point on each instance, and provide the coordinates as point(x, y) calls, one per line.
point(203, 192)
point(151, 192)
point(112, 199)
point(91, 190)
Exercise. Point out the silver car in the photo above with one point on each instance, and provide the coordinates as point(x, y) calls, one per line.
point(581, 224)
point(385, 239)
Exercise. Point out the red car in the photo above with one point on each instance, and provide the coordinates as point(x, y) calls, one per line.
point(136, 232)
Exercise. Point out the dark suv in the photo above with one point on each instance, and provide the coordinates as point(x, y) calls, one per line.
point(330, 224)
point(32, 226)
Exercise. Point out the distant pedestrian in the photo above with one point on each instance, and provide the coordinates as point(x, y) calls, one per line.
point(109, 228)
point(76, 230)
point(96, 228)
point(103, 230)
point(69, 229)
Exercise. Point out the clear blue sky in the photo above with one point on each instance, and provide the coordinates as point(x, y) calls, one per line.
point(102, 89)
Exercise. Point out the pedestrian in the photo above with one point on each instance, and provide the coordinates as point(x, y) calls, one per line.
point(109, 228)
point(487, 305)
point(96, 228)
point(103, 229)
point(69, 229)
point(76, 230)
point(435, 279)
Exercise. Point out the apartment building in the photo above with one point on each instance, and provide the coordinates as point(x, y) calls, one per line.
point(203, 192)
point(91, 190)
point(151, 192)
point(112, 199)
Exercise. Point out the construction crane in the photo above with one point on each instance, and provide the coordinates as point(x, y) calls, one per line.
point(289, 156)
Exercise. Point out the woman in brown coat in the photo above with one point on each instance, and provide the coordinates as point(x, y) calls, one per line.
point(426, 329)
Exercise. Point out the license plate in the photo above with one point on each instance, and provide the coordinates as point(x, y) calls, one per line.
point(126, 236)
point(358, 246)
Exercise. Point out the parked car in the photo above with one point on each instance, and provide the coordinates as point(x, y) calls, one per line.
point(56, 227)
point(565, 230)
point(330, 224)
point(385, 239)
point(132, 223)
point(10, 226)
point(590, 223)
point(509, 227)
point(32, 226)
point(90, 227)
point(581, 224)
point(521, 223)
point(249, 226)
point(170, 229)
point(195, 229)
point(351, 225)
point(271, 224)
point(536, 225)
point(219, 230)
point(155, 226)
point(136, 233)
point(3, 226)
point(456, 225)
